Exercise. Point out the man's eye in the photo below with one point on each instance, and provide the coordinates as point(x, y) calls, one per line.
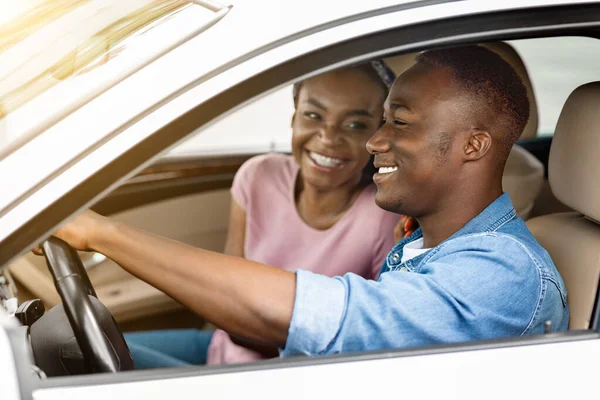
point(312, 115)
point(399, 123)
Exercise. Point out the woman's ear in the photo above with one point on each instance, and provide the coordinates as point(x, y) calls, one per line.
point(478, 144)
point(292, 120)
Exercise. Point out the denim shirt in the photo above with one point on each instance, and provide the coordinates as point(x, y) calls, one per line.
point(490, 279)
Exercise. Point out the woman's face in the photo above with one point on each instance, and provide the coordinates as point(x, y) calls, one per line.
point(336, 113)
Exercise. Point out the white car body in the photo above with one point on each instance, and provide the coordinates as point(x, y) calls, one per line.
point(241, 44)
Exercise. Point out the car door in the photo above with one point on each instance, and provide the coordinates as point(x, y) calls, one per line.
point(462, 370)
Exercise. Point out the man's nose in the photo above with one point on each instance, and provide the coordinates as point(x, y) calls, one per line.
point(379, 142)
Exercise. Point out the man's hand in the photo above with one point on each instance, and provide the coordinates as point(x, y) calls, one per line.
point(242, 297)
point(79, 232)
point(405, 227)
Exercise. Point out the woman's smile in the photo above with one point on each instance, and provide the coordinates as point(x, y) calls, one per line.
point(324, 162)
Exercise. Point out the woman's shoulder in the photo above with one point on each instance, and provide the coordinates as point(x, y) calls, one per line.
point(272, 169)
point(269, 163)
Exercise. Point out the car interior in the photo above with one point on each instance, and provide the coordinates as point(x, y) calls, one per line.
point(549, 176)
point(572, 238)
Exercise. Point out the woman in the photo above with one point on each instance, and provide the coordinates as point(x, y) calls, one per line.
point(297, 211)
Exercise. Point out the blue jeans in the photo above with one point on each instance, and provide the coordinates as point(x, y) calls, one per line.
point(168, 348)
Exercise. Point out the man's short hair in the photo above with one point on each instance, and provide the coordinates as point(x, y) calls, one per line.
point(491, 81)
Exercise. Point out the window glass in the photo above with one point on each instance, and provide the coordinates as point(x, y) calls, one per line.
point(261, 126)
point(557, 66)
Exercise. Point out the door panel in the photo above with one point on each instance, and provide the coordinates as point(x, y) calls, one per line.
point(170, 179)
point(185, 201)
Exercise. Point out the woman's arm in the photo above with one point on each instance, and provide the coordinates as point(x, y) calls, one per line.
point(236, 233)
point(405, 227)
point(243, 297)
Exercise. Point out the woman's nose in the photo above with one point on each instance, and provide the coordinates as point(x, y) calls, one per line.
point(379, 142)
point(329, 134)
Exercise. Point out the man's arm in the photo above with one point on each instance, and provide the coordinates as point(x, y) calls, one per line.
point(234, 246)
point(265, 350)
point(243, 297)
point(475, 287)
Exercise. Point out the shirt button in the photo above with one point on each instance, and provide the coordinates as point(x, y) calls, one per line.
point(403, 269)
point(395, 257)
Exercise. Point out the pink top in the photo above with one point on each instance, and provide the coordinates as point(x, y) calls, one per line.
point(277, 236)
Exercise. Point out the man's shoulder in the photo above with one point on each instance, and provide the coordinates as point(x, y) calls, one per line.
point(502, 244)
point(511, 247)
point(514, 262)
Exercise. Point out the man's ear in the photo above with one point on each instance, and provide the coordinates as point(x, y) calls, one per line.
point(478, 144)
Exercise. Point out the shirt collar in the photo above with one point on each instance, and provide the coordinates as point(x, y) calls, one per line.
point(490, 219)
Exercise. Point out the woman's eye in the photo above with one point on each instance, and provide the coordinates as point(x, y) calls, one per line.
point(399, 123)
point(312, 115)
point(357, 125)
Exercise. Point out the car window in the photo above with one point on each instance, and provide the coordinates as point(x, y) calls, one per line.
point(557, 66)
point(261, 126)
point(56, 55)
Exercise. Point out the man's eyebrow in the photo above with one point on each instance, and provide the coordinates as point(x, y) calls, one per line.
point(316, 103)
point(396, 106)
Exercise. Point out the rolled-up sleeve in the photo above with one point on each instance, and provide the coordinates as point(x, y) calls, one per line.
point(318, 310)
point(483, 292)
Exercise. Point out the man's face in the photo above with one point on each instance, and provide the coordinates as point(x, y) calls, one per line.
point(418, 148)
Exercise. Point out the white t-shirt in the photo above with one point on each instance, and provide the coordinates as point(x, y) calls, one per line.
point(413, 249)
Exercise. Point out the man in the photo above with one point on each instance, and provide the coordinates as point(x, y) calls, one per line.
point(472, 270)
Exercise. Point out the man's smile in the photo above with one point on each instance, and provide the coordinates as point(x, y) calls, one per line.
point(384, 173)
point(384, 169)
point(387, 170)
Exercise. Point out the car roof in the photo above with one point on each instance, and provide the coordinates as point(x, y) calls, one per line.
point(249, 37)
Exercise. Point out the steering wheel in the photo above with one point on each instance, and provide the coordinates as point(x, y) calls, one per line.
point(99, 338)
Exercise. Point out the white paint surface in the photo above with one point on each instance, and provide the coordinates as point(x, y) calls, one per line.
point(9, 387)
point(553, 371)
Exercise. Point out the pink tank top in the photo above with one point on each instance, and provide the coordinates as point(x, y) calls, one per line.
point(277, 236)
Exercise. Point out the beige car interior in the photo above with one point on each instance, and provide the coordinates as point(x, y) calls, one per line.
point(134, 303)
point(573, 238)
point(200, 219)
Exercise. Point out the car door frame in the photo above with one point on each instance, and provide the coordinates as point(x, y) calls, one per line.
point(505, 25)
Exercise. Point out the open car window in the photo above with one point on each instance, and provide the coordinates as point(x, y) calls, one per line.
point(557, 66)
